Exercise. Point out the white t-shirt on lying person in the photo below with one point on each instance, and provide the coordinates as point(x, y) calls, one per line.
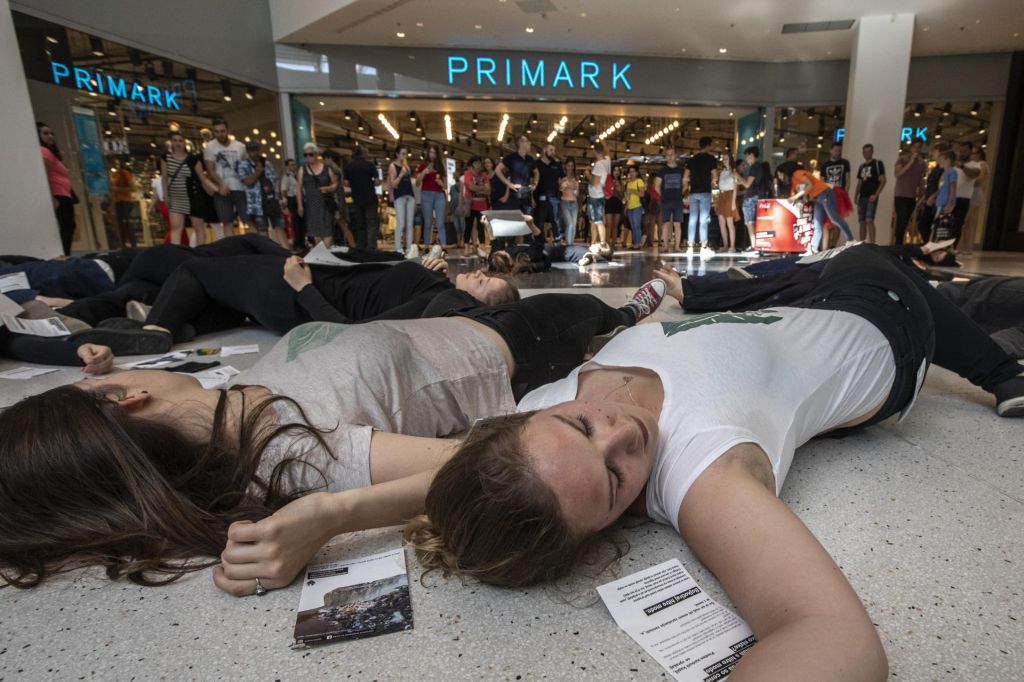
point(794, 373)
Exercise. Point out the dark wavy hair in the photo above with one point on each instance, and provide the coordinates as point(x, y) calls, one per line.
point(52, 147)
point(84, 483)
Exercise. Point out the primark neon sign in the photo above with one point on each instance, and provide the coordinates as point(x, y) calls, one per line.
point(537, 73)
point(105, 84)
point(907, 134)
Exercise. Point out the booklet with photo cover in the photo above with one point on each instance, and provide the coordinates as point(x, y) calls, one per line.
point(358, 597)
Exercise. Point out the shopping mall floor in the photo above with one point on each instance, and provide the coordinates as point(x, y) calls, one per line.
point(924, 517)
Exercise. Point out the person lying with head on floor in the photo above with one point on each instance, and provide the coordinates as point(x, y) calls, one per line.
point(528, 496)
point(203, 297)
point(143, 471)
point(538, 257)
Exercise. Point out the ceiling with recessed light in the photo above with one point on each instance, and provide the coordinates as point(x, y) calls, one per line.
point(742, 29)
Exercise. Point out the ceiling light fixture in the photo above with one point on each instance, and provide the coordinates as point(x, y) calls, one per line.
point(400, 34)
point(250, 93)
point(975, 108)
point(722, 50)
point(51, 37)
point(529, 29)
point(96, 46)
point(947, 109)
point(225, 87)
point(612, 128)
point(661, 133)
point(697, 127)
point(502, 127)
point(448, 127)
point(918, 110)
point(387, 124)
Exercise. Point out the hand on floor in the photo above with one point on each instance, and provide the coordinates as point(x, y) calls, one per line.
point(275, 549)
point(97, 359)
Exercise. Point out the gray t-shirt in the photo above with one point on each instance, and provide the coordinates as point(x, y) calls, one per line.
point(430, 377)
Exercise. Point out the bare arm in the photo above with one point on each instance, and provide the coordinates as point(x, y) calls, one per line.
point(277, 548)
point(333, 187)
point(784, 583)
point(211, 171)
point(163, 178)
point(500, 172)
point(881, 186)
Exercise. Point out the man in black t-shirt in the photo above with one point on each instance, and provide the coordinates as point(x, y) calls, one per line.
point(518, 171)
point(836, 170)
point(784, 173)
point(757, 185)
point(702, 169)
point(361, 176)
point(870, 181)
point(669, 185)
point(548, 205)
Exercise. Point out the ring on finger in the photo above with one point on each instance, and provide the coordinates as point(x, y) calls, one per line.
point(260, 590)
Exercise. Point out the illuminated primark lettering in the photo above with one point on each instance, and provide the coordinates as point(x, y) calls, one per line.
point(537, 73)
point(105, 84)
point(916, 134)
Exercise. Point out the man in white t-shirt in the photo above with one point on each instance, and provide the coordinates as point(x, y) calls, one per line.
point(596, 177)
point(967, 172)
point(220, 156)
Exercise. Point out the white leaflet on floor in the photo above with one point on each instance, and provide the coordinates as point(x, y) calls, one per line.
point(690, 634)
point(507, 223)
point(21, 373)
point(50, 327)
point(228, 351)
point(159, 361)
point(321, 255)
point(215, 377)
point(14, 282)
point(9, 307)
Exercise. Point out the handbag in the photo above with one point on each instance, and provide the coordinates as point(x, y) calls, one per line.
point(942, 228)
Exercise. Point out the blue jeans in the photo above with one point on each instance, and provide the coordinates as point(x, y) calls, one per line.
point(825, 204)
point(750, 212)
point(635, 216)
point(595, 209)
point(434, 204)
point(570, 216)
point(404, 208)
point(700, 210)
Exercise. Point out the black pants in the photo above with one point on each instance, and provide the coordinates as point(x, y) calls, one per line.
point(467, 234)
point(66, 222)
point(214, 294)
point(298, 224)
point(125, 228)
point(548, 334)
point(959, 216)
point(365, 222)
point(904, 211)
point(859, 280)
point(925, 218)
point(544, 212)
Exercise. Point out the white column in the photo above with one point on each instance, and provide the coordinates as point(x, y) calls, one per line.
point(284, 107)
point(29, 224)
point(876, 95)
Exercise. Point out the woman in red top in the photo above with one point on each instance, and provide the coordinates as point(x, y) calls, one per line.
point(477, 189)
point(60, 186)
point(824, 204)
point(433, 182)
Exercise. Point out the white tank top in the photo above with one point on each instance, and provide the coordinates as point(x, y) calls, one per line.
point(775, 378)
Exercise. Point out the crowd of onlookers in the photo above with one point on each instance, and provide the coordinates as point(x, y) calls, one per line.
point(325, 198)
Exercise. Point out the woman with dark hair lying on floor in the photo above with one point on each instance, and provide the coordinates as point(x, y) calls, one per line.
point(527, 496)
point(281, 293)
point(143, 471)
point(538, 257)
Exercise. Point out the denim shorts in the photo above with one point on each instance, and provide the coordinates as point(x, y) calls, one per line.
point(261, 222)
point(595, 209)
point(672, 211)
point(866, 209)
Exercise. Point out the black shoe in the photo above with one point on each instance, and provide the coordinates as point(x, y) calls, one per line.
point(119, 323)
point(1010, 397)
point(127, 341)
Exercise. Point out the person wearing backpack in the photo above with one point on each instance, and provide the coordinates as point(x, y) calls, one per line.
point(599, 189)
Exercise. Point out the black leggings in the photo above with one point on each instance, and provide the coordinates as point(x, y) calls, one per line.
point(548, 334)
point(920, 323)
point(904, 211)
point(66, 222)
point(473, 219)
point(214, 294)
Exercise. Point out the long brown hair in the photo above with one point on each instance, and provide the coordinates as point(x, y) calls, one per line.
point(490, 517)
point(438, 163)
point(82, 482)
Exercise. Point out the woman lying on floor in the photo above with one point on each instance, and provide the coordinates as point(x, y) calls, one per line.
point(143, 470)
point(528, 495)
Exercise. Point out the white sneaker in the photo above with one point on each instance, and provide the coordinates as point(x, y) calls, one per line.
point(689, 251)
point(706, 252)
point(413, 252)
